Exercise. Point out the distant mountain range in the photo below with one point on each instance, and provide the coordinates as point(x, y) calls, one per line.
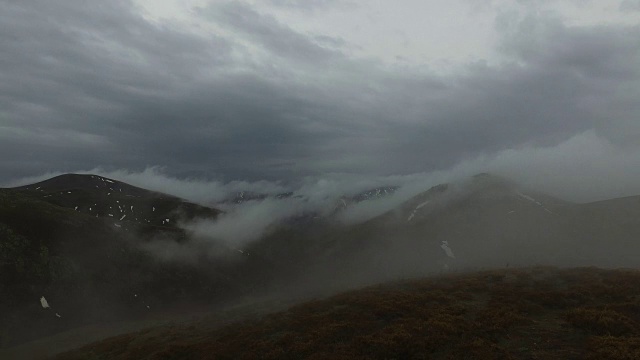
point(241, 197)
point(81, 242)
point(486, 221)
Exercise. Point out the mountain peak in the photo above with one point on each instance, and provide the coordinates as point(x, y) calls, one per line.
point(119, 202)
point(72, 181)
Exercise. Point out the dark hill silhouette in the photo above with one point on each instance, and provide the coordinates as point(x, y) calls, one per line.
point(103, 197)
point(58, 241)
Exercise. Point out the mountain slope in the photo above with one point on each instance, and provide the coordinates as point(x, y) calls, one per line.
point(536, 313)
point(486, 221)
point(64, 262)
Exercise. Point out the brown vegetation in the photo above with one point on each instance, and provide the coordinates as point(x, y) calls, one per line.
point(537, 313)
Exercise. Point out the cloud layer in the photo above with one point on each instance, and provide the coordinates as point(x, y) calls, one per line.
point(247, 96)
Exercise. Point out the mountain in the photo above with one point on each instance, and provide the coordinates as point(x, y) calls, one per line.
point(345, 202)
point(486, 221)
point(102, 197)
point(375, 193)
point(74, 251)
point(241, 197)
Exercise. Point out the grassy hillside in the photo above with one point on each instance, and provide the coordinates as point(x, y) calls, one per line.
point(534, 313)
point(87, 269)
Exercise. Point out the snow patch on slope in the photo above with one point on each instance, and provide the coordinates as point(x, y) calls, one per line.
point(527, 197)
point(420, 206)
point(447, 249)
point(44, 303)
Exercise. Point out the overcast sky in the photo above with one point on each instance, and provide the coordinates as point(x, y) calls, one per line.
point(283, 89)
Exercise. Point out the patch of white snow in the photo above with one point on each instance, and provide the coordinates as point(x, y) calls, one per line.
point(527, 197)
point(413, 213)
point(447, 249)
point(44, 303)
point(421, 205)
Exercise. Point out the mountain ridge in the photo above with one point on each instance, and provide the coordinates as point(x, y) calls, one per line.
point(103, 197)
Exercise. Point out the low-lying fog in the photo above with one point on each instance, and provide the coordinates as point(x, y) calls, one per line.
point(582, 169)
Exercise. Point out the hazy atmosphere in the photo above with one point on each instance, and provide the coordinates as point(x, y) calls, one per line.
point(327, 179)
point(541, 91)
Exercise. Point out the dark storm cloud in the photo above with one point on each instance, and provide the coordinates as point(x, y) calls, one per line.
point(73, 71)
point(85, 85)
point(560, 81)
